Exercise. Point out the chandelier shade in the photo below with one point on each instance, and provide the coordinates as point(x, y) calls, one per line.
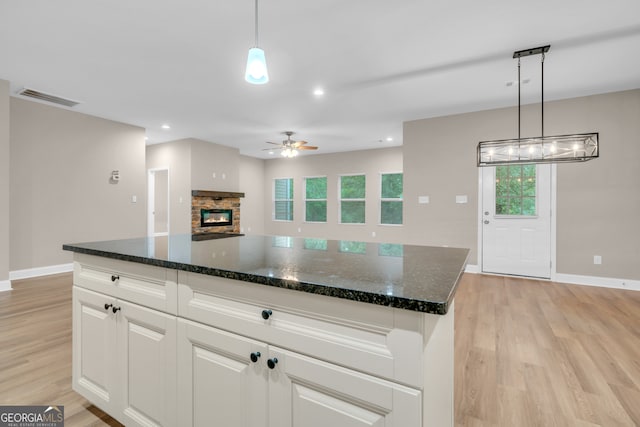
point(548, 149)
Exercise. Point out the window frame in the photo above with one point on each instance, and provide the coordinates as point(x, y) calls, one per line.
point(325, 200)
point(274, 200)
point(389, 199)
point(340, 199)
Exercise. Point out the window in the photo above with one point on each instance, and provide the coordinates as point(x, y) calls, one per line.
point(352, 194)
point(391, 198)
point(516, 190)
point(283, 199)
point(315, 199)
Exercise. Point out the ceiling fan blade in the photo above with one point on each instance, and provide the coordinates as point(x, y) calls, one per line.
point(274, 143)
point(307, 147)
point(299, 143)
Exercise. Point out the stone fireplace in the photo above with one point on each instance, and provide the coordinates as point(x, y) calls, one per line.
point(215, 212)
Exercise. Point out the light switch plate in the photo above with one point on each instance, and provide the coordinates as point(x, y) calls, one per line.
point(423, 199)
point(461, 199)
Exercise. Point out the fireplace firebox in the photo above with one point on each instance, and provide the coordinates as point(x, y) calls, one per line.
point(216, 217)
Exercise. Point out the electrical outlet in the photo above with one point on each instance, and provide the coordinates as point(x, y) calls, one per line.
point(597, 259)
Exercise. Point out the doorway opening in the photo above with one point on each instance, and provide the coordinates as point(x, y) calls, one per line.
point(158, 213)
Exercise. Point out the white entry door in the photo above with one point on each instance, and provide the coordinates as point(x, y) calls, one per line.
point(516, 220)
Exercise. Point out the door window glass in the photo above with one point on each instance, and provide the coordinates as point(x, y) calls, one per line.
point(516, 190)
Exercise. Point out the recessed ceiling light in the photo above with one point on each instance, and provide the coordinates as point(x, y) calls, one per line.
point(271, 152)
point(146, 138)
point(318, 91)
point(389, 139)
point(166, 126)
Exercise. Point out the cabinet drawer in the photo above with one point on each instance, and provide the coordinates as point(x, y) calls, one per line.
point(375, 339)
point(149, 286)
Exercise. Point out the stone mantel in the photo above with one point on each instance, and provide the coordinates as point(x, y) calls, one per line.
point(216, 194)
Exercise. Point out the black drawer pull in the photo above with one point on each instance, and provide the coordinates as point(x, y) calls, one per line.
point(114, 278)
point(255, 356)
point(116, 309)
point(266, 314)
point(271, 363)
point(106, 306)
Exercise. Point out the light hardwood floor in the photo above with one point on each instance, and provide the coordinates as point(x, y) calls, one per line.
point(527, 353)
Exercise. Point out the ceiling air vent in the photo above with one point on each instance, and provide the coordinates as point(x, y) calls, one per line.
point(32, 93)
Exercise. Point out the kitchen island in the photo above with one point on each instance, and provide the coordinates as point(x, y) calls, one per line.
point(236, 330)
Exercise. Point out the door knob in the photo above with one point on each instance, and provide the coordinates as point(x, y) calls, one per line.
point(486, 221)
point(486, 212)
point(254, 356)
point(271, 363)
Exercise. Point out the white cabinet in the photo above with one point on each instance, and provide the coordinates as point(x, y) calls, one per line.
point(124, 354)
point(94, 346)
point(227, 379)
point(146, 353)
point(218, 383)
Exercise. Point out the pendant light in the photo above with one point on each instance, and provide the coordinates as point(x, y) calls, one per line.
point(256, 72)
point(542, 149)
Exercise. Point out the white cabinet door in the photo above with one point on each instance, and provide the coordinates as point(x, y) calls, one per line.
point(219, 384)
point(94, 348)
point(147, 361)
point(306, 392)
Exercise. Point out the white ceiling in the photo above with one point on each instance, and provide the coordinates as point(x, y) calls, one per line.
point(380, 62)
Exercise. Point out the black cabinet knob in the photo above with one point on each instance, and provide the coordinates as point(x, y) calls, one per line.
point(266, 314)
point(106, 306)
point(271, 363)
point(116, 309)
point(114, 278)
point(255, 356)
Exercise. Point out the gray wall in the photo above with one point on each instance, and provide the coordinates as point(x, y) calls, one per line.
point(368, 162)
point(207, 160)
point(61, 162)
point(192, 164)
point(252, 205)
point(175, 156)
point(598, 202)
point(4, 181)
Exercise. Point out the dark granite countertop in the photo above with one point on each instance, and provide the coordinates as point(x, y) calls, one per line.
point(418, 278)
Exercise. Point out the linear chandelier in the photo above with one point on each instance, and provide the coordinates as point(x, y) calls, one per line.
point(542, 149)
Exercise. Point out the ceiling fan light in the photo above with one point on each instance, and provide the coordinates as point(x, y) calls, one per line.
point(256, 72)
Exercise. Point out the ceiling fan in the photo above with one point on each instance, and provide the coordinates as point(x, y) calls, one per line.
point(290, 147)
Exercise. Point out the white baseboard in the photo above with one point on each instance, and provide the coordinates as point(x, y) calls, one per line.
point(576, 279)
point(472, 269)
point(604, 282)
point(5, 285)
point(40, 271)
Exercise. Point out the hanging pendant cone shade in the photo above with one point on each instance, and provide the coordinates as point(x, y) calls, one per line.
point(256, 72)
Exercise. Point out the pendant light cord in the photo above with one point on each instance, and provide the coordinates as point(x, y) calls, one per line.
point(256, 19)
point(542, 95)
point(518, 98)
